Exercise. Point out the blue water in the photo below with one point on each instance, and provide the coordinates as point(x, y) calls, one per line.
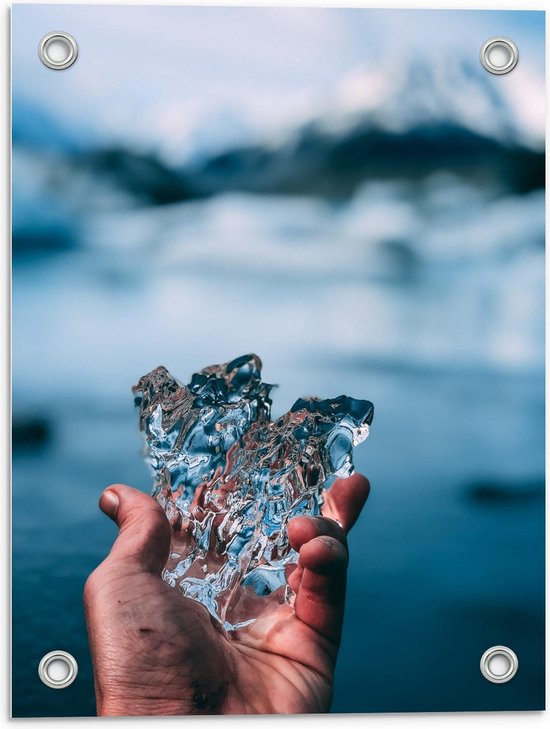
point(425, 297)
point(437, 575)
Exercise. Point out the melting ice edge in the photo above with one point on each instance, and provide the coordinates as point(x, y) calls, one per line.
point(230, 479)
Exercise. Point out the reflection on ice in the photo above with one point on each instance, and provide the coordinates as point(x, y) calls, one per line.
point(230, 478)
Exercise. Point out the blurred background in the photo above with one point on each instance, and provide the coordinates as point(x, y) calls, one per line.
point(348, 194)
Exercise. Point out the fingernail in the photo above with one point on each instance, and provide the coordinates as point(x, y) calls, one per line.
point(108, 503)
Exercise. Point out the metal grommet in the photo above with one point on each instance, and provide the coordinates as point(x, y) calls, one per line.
point(499, 664)
point(499, 55)
point(58, 50)
point(58, 669)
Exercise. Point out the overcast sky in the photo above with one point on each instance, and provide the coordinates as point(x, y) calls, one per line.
point(179, 79)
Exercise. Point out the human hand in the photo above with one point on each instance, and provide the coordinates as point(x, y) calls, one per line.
point(155, 651)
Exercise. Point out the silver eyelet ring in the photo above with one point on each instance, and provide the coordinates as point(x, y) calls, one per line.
point(496, 652)
point(46, 674)
point(510, 49)
point(49, 42)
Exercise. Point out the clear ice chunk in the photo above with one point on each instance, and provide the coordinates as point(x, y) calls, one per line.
point(229, 478)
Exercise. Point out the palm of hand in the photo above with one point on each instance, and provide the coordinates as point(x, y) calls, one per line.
point(157, 652)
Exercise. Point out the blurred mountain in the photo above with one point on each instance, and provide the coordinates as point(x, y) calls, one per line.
point(405, 121)
point(143, 175)
point(377, 125)
point(335, 165)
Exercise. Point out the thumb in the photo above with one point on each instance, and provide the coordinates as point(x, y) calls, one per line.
point(144, 536)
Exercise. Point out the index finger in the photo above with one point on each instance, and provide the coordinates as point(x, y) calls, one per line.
point(345, 499)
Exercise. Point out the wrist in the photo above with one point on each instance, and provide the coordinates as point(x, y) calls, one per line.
point(113, 705)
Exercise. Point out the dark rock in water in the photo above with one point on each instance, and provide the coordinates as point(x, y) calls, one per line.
point(30, 431)
point(33, 242)
point(495, 493)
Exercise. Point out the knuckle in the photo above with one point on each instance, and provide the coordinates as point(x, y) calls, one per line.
point(93, 584)
point(338, 551)
point(334, 529)
point(90, 588)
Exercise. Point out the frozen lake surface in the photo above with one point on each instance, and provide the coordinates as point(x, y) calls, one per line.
point(428, 301)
